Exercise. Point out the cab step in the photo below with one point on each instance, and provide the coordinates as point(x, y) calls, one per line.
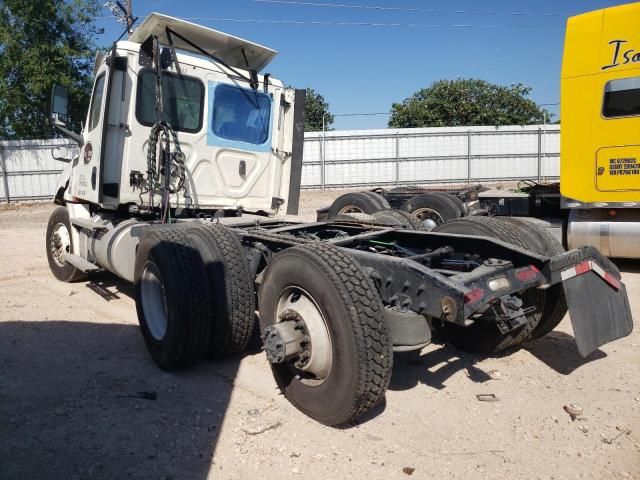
point(81, 264)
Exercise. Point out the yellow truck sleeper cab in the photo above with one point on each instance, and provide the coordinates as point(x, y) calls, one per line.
point(600, 151)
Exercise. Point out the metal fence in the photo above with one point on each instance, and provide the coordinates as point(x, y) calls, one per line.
point(28, 170)
point(430, 155)
point(357, 158)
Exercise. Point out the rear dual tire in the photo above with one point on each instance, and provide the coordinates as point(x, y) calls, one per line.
point(329, 284)
point(194, 295)
point(357, 202)
point(173, 299)
point(436, 207)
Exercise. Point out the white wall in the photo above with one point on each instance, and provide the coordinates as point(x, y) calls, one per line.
point(355, 158)
point(378, 157)
point(31, 171)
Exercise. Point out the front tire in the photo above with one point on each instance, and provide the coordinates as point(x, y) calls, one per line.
point(339, 309)
point(59, 242)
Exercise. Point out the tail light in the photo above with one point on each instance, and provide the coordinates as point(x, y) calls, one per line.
point(474, 296)
point(527, 274)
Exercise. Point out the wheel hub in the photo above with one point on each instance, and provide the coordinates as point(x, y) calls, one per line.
point(300, 336)
point(350, 209)
point(428, 216)
point(288, 340)
point(154, 301)
point(60, 243)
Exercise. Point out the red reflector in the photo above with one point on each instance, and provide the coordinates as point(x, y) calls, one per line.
point(474, 296)
point(527, 274)
point(611, 280)
point(583, 267)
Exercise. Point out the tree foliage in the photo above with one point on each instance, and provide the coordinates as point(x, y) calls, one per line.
point(42, 43)
point(315, 108)
point(466, 102)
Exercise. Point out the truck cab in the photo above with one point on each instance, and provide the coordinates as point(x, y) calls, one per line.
point(233, 128)
point(600, 151)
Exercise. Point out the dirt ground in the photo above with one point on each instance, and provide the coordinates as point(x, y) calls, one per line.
point(80, 397)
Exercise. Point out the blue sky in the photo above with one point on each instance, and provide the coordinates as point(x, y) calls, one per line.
point(364, 69)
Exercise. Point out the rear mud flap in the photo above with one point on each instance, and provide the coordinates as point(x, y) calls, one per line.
point(600, 312)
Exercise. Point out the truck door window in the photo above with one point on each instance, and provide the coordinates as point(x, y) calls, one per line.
point(96, 103)
point(241, 115)
point(622, 98)
point(182, 99)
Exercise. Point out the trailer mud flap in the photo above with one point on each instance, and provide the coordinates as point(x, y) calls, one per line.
point(598, 306)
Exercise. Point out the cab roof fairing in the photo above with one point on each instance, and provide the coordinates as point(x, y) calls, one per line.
point(235, 51)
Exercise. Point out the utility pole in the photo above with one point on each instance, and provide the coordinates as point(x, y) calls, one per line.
point(129, 14)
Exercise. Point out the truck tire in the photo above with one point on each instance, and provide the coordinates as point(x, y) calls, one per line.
point(58, 242)
point(231, 286)
point(342, 313)
point(173, 299)
point(390, 216)
point(484, 337)
point(357, 202)
point(428, 206)
point(462, 210)
point(555, 306)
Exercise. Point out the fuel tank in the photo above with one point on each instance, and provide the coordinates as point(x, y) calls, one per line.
point(616, 233)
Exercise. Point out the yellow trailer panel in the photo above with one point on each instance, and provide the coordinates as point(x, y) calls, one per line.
point(600, 151)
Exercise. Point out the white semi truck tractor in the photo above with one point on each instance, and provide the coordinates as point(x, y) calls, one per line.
point(187, 155)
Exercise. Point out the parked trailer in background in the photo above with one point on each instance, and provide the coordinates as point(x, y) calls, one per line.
point(186, 154)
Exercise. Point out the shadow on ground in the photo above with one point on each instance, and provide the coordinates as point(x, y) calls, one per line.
point(557, 350)
point(434, 368)
point(110, 287)
point(102, 408)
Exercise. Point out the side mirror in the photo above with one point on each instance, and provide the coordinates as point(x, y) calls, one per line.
point(60, 101)
point(61, 154)
point(60, 113)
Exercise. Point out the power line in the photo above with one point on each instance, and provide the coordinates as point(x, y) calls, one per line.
point(406, 9)
point(365, 24)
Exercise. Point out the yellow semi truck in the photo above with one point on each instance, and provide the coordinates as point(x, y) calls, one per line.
point(600, 150)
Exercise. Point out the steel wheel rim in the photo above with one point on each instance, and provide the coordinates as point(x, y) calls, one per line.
point(424, 214)
point(316, 370)
point(350, 209)
point(154, 301)
point(60, 243)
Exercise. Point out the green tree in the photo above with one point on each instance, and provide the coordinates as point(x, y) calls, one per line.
point(41, 43)
point(466, 102)
point(315, 108)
